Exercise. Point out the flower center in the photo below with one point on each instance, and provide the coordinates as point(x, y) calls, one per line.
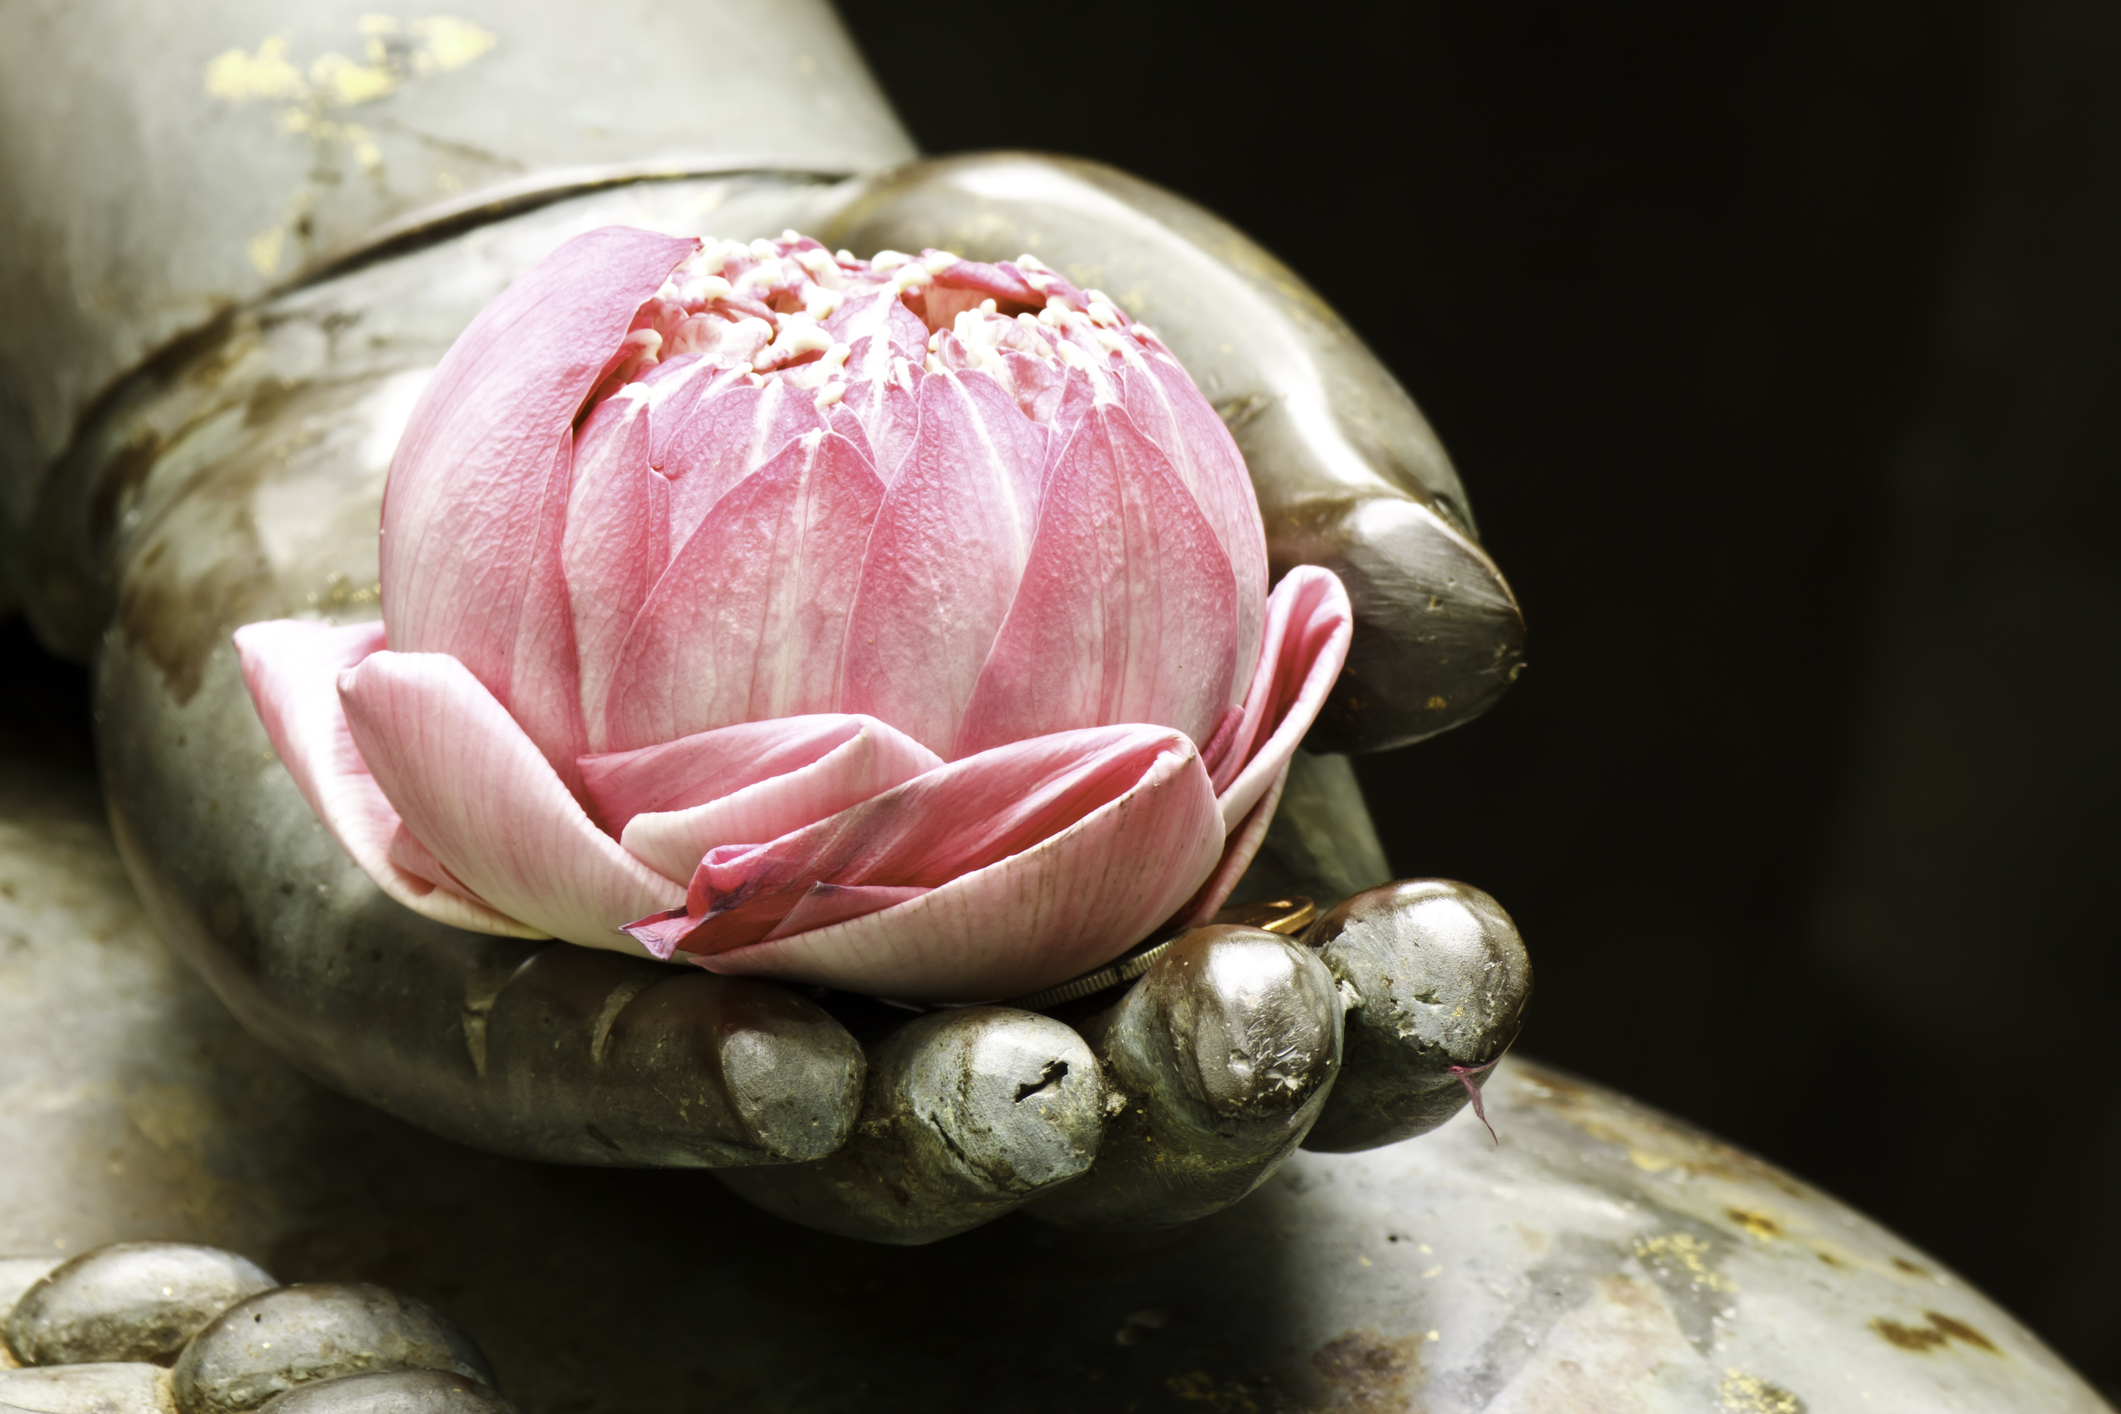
point(790, 310)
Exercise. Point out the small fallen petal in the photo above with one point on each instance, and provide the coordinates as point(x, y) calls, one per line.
point(1465, 1074)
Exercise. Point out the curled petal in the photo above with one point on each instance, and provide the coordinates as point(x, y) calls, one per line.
point(738, 784)
point(1239, 849)
point(1039, 860)
point(1127, 607)
point(475, 791)
point(292, 669)
point(1308, 625)
point(1004, 283)
point(471, 562)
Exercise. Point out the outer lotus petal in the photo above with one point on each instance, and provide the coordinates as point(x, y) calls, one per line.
point(748, 622)
point(292, 668)
point(1239, 849)
point(415, 858)
point(1308, 625)
point(616, 546)
point(827, 904)
point(475, 790)
point(943, 562)
point(755, 781)
point(470, 544)
point(1066, 850)
point(1127, 611)
point(1167, 407)
point(724, 438)
point(543, 687)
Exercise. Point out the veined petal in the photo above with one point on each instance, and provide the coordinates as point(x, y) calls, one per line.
point(723, 438)
point(1127, 609)
point(827, 904)
point(1040, 861)
point(882, 394)
point(544, 693)
point(1240, 846)
point(1171, 412)
point(880, 314)
point(944, 559)
point(477, 793)
point(749, 620)
point(1308, 625)
point(477, 490)
point(292, 669)
point(739, 784)
point(616, 546)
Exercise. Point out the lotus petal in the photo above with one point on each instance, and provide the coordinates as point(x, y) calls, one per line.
point(1308, 625)
point(292, 668)
point(616, 547)
point(1239, 849)
point(882, 394)
point(827, 904)
point(1127, 608)
point(730, 434)
point(753, 781)
point(1171, 412)
point(944, 559)
point(880, 314)
point(1041, 860)
point(476, 791)
point(749, 620)
point(478, 489)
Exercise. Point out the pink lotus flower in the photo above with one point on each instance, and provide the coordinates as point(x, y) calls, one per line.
point(897, 625)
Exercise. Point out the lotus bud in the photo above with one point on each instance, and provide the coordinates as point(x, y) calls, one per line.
point(897, 625)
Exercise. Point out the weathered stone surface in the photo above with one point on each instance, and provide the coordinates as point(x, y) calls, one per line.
point(391, 1392)
point(19, 1274)
point(969, 1113)
point(1436, 982)
point(297, 1334)
point(131, 1388)
point(1223, 1052)
point(128, 1301)
point(1603, 1257)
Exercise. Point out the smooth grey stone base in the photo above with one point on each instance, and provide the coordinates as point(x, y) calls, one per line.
point(1604, 1257)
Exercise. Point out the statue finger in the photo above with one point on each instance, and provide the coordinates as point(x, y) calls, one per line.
point(969, 1113)
point(1435, 980)
point(596, 1057)
point(1223, 1053)
point(1348, 472)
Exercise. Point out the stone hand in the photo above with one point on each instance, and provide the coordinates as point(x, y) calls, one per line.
point(1189, 1089)
point(1348, 473)
point(240, 481)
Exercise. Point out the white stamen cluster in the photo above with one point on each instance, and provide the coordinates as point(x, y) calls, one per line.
point(761, 309)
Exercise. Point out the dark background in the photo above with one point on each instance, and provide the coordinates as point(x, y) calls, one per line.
point(1782, 354)
point(1781, 351)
